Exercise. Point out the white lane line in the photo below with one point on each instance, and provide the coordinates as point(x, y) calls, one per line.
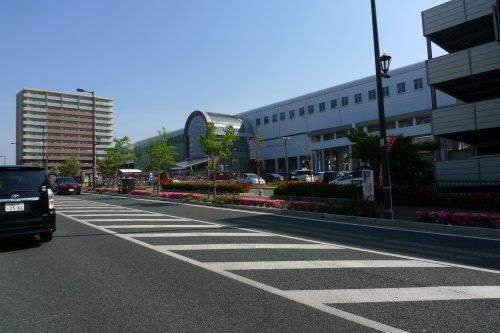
point(139, 226)
point(142, 220)
point(114, 214)
point(93, 210)
point(313, 304)
point(242, 246)
point(315, 264)
point(318, 242)
point(445, 293)
point(197, 234)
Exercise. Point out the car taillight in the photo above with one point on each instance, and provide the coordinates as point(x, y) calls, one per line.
point(52, 200)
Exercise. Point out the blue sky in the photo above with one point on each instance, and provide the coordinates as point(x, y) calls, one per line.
point(161, 59)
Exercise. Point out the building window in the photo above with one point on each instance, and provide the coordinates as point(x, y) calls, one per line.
point(385, 91)
point(316, 138)
point(322, 107)
point(418, 84)
point(423, 120)
point(291, 114)
point(301, 112)
point(345, 101)
point(357, 98)
point(282, 116)
point(401, 88)
point(390, 125)
point(341, 134)
point(275, 118)
point(328, 136)
point(405, 122)
point(266, 120)
point(333, 103)
point(257, 122)
point(372, 94)
point(310, 109)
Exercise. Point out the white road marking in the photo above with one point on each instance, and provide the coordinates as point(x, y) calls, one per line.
point(142, 220)
point(240, 246)
point(93, 210)
point(316, 264)
point(138, 226)
point(313, 304)
point(197, 234)
point(445, 293)
point(115, 214)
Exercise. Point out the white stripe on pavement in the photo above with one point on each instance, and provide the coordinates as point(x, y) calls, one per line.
point(313, 264)
point(337, 296)
point(94, 210)
point(141, 220)
point(197, 247)
point(198, 234)
point(136, 226)
point(114, 214)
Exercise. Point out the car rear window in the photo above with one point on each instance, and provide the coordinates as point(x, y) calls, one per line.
point(21, 181)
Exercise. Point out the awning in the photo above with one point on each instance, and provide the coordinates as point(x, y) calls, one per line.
point(181, 165)
point(130, 170)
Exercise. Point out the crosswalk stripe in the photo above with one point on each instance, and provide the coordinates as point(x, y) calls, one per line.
point(445, 293)
point(140, 220)
point(198, 247)
point(93, 210)
point(197, 234)
point(114, 214)
point(313, 264)
point(138, 226)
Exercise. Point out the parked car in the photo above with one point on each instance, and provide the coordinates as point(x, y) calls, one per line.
point(272, 177)
point(326, 176)
point(250, 179)
point(350, 178)
point(66, 185)
point(27, 205)
point(302, 176)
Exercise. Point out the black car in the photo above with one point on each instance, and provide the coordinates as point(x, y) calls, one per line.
point(272, 177)
point(27, 204)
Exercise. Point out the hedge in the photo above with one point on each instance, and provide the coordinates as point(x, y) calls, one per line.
point(222, 187)
point(460, 219)
point(319, 190)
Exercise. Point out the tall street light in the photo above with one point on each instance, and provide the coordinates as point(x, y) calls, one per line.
point(93, 134)
point(381, 69)
point(286, 138)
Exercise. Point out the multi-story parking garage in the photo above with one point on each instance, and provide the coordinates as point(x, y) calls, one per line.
point(316, 124)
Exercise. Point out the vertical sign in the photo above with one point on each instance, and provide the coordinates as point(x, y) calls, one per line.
point(368, 186)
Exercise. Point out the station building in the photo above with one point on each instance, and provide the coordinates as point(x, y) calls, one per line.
point(315, 125)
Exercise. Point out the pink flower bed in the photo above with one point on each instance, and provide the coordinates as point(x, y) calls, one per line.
point(460, 219)
point(182, 195)
point(261, 202)
point(140, 192)
point(106, 189)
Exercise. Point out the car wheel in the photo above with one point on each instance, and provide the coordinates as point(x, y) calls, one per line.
point(46, 236)
point(78, 193)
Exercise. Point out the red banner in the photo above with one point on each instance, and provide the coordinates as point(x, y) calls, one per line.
point(391, 141)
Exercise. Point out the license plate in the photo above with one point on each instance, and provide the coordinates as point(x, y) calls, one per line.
point(71, 189)
point(15, 207)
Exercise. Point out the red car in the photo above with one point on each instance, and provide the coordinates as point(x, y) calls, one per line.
point(67, 185)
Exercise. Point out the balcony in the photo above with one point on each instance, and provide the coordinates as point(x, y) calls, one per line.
point(457, 25)
point(469, 75)
point(456, 121)
point(484, 168)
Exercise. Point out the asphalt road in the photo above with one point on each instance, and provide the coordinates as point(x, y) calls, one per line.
point(128, 265)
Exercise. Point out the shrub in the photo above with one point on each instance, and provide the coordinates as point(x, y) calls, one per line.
point(460, 219)
point(182, 195)
point(322, 190)
point(226, 200)
point(262, 202)
point(222, 187)
point(140, 192)
point(356, 207)
point(106, 190)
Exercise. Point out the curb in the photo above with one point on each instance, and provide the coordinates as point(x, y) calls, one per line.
point(403, 225)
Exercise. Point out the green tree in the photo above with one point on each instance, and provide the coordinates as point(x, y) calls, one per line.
point(405, 158)
point(120, 153)
point(105, 166)
point(54, 171)
point(37, 163)
point(162, 155)
point(71, 167)
point(217, 148)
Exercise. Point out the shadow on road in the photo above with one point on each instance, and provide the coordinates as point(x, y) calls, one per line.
point(18, 244)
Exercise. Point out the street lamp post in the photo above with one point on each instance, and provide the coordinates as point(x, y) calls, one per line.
point(93, 134)
point(286, 138)
point(381, 69)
